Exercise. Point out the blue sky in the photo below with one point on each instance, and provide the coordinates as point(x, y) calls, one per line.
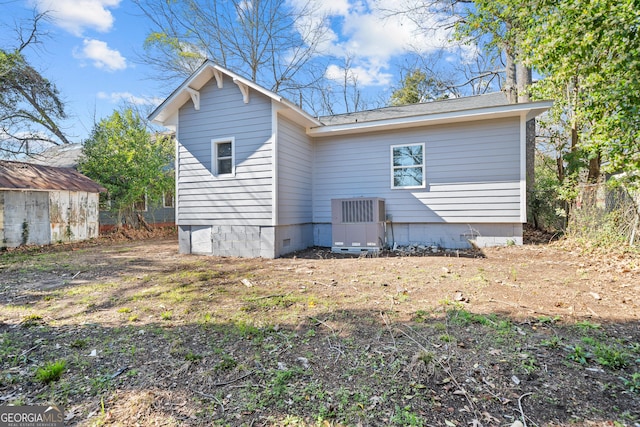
point(91, 50)
point(89, 54)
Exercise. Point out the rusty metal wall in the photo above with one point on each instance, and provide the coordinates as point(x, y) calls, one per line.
point(74, 215)
point(41, 218)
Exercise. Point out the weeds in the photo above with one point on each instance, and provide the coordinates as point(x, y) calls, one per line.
point(298, 354)
point(51, 371)
point(632, 383)
point(611, 357)
point(579, 354)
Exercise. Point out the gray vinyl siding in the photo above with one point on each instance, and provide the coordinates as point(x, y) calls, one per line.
point(294, 174)
point(246, 198)
point(472, 173)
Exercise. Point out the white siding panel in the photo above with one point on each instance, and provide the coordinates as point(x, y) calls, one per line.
point(246, 198)
point(295, 162)
point(472, 173)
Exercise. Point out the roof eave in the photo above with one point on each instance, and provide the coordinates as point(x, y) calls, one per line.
point(530, 110)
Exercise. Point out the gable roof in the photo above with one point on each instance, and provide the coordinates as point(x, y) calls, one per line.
point(207, 71)
point(493, 105)
point(26, 176)
point(60, 156)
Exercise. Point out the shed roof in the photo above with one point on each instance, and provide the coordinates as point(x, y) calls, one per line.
point(26, 176)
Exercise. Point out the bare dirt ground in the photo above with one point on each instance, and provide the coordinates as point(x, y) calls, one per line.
point(542, 334)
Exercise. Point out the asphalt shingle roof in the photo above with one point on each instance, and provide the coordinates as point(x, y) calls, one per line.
point(495, 99)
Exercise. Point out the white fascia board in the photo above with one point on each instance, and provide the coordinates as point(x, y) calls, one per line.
point(511, 110)
point(523, 167)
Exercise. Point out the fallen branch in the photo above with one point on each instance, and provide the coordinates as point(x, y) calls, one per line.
point(222, 384)
point(524, 420)
point(393, 338)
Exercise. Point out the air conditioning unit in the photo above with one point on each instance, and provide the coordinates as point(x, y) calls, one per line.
point(357, 224)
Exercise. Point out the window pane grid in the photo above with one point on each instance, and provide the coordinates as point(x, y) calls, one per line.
point(407, 166)
point(223, 157)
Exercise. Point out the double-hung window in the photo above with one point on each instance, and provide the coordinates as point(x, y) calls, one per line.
point(407, 166)
point(223, 156)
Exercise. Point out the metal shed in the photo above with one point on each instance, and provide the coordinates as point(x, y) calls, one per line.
point(40, 205)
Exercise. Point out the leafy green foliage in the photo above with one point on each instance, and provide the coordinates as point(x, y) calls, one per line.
point(600, 70)
point(51, 371)
point(588, 54)
point(416, 87)
point(122, 156)
point(547, 207)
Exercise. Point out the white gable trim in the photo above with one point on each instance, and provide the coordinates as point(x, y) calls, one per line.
point(201, 77)
point(244, 89)
point(195, 97)
point(218, 76)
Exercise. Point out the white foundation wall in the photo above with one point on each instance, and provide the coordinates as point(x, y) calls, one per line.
point(446, 236)
point(245, 241)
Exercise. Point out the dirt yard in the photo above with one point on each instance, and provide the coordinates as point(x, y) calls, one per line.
point(538, 334)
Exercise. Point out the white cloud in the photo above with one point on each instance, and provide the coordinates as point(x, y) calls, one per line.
point(101, 55)
point(129, 98)
point(77, 15)
point(363, 75)
point(371, 36)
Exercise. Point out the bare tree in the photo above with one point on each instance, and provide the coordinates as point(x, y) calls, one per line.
point(30, 105)
point(269, 41)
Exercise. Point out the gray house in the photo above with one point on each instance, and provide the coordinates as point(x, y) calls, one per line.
point(159, 214)
point(257, 176)
point(41, 205)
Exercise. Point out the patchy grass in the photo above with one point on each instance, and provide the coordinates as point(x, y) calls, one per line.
point(149, 337)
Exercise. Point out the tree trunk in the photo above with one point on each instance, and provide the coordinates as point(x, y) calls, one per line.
point(594, 170)
point(510, 85)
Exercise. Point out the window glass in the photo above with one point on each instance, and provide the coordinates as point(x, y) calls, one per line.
point(223, 154)
point(408, 166)
point(167, 200)
point(224, 166)
point(224, 149)
point(141, 204)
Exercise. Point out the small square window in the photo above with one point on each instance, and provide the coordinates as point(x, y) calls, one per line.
point(223, 156)
point(407, 166)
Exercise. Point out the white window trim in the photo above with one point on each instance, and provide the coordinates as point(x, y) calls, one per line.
point(423, 166)
point(146, 205)
point(164, 200)
point(214, 156)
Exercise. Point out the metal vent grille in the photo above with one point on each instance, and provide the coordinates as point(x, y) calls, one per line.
point(357, 210)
